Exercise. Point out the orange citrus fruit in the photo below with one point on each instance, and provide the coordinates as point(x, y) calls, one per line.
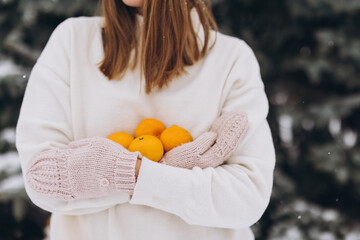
point(149, 126)
point(174, 136)
point(122, 138)
point(149, 146)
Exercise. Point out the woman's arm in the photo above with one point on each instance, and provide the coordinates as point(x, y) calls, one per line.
point(211, 148)
point(235, 194)
point(45, 122)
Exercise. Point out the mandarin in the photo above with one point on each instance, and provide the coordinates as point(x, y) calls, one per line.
point(149, 126)
point(149, 146)
point(123, 138)
point(174, 136)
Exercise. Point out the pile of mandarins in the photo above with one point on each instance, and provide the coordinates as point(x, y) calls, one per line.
point(152, 139)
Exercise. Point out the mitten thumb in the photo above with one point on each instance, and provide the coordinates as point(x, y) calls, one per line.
point(186, 155)
point(205, 141)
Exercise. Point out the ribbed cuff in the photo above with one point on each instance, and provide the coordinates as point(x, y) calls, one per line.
point(124, 172)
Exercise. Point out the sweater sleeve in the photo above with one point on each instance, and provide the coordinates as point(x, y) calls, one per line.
point(45, 121)
point(235, 194)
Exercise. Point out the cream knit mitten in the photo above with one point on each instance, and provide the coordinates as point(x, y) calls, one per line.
point(188, 154)
point(90, 167)
point(228, 131)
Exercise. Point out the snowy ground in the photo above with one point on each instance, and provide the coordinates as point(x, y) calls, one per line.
point(8, 67)
point(10, 165)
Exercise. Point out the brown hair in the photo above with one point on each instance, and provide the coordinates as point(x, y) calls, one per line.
point(168, 41)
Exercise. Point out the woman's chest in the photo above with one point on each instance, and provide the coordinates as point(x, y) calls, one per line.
point(101, 107)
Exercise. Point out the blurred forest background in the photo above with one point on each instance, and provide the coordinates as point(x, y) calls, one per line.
point(309, 53)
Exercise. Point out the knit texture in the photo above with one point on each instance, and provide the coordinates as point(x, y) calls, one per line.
point(212, 148)
point(90, 167)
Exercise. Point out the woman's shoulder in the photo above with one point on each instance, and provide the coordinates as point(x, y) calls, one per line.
point(81, 22)
point(71, 34)
point(77, 31)
point(78, 26)
point(230, 49)
point(232, 45)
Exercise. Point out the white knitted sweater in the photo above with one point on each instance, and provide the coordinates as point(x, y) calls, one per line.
point(68, 98)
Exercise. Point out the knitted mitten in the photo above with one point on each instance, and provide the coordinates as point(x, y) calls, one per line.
point(229, 128)
point(90, 167)
point(186, 155)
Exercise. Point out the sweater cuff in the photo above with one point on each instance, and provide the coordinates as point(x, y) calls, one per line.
point(158, 185)
point(124, 172)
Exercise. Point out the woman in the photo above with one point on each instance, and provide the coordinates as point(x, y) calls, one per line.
point(87, 84)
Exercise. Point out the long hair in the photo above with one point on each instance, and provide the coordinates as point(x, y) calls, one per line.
point(168, 43)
